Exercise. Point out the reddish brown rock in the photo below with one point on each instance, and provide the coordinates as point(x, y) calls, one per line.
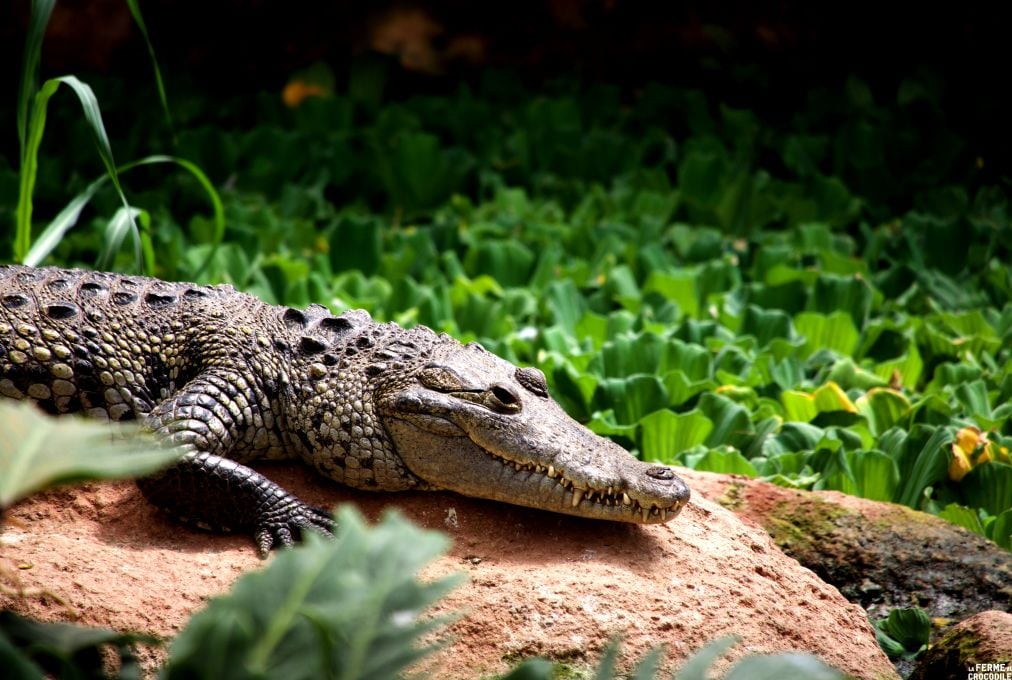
point(540, 583)
point(982, 639)
point(880, 555)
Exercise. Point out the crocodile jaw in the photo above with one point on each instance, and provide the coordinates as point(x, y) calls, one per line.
point(540, 458)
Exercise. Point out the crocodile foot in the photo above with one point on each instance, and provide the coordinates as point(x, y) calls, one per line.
point(287, 518)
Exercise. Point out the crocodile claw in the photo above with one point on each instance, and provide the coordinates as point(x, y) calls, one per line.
point(279, 525)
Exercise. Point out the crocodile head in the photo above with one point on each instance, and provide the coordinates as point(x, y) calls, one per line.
point(471, 422)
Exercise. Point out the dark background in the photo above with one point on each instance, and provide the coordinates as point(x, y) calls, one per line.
point(766, 56)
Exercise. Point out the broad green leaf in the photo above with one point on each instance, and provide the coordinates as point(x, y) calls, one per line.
point(847, 375)
point(345, 608)
point(835, 331)
point(911, 628)
point(828, 398)
point(988, 486)
point(728, 462)
point(681, 389)
point(678, 286)
point(605, 424)
point(731, 423)
point(766, 324)
point(963, 516)
point(38, 451)
point(923, 468)
point(876, 475)
point(356, 243)
point(664, 434)
point(1000, 530)
point(78, 651)
point(851, 295)
point(698, 665)
point(632, 397)
point(508, 262)
point(784, 666)
point(883, 407)
point(566, 303)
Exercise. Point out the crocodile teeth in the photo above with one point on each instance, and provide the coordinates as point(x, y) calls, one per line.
point(577, 496)
point(645, 513)
point(551, 470)
point(625, 499)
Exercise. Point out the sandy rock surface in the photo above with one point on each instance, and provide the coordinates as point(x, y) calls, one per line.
point(880, 555)
point(539, 583)
point(975, 644)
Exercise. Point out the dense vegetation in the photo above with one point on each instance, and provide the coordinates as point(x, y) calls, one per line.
point(823, 300)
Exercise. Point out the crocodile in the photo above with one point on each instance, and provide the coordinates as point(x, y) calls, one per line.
point(226, 379)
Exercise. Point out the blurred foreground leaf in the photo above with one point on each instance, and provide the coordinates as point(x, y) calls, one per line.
point(37, 451)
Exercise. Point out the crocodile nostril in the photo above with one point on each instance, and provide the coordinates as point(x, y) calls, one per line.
point(660, 472)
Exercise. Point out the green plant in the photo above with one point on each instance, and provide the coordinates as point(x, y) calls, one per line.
point(32, 108)
point(38, 451)
point(905, 633)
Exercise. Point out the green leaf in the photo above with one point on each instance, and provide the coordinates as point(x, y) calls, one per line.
point(988, 486)
point(679, 286)
point(1000, 530)
point(135, 11)
point(962, 516)
point(835, 332)
point(663, 434)
point(876, 475)
point(30, 153)
point(38, 451)
point(731, 422)
point(632, 397)
point(786, 666)
point(348, 608)
point(923, 468)
point(40, 13)
point(356, 243)
point(605, 424)
point(910, 627)
point(851, 295)
point(766, 324)
point(884, 408)
point(728, 462)
point(698, 665)
point(76, 651)
point(828, 398)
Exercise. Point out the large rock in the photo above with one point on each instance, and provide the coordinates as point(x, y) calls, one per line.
point(540, 583)
point(970, 646)
point(880, 555)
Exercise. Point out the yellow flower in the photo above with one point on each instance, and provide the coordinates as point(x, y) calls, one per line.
point(959, 466)
point(298, 90)
point(971, 448)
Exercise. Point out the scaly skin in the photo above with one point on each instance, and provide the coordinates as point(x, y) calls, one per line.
point(228, 379)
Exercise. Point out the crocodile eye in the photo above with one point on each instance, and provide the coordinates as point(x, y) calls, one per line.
point(532, 380)
point(501, 398)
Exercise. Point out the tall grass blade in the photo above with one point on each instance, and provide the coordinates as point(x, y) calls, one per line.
point(41, 10)
point(29, 166)
point(135, 10)
point(63, 222)
point(123, 223)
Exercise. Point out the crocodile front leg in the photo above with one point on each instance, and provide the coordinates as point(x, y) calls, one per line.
point(208, 489)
